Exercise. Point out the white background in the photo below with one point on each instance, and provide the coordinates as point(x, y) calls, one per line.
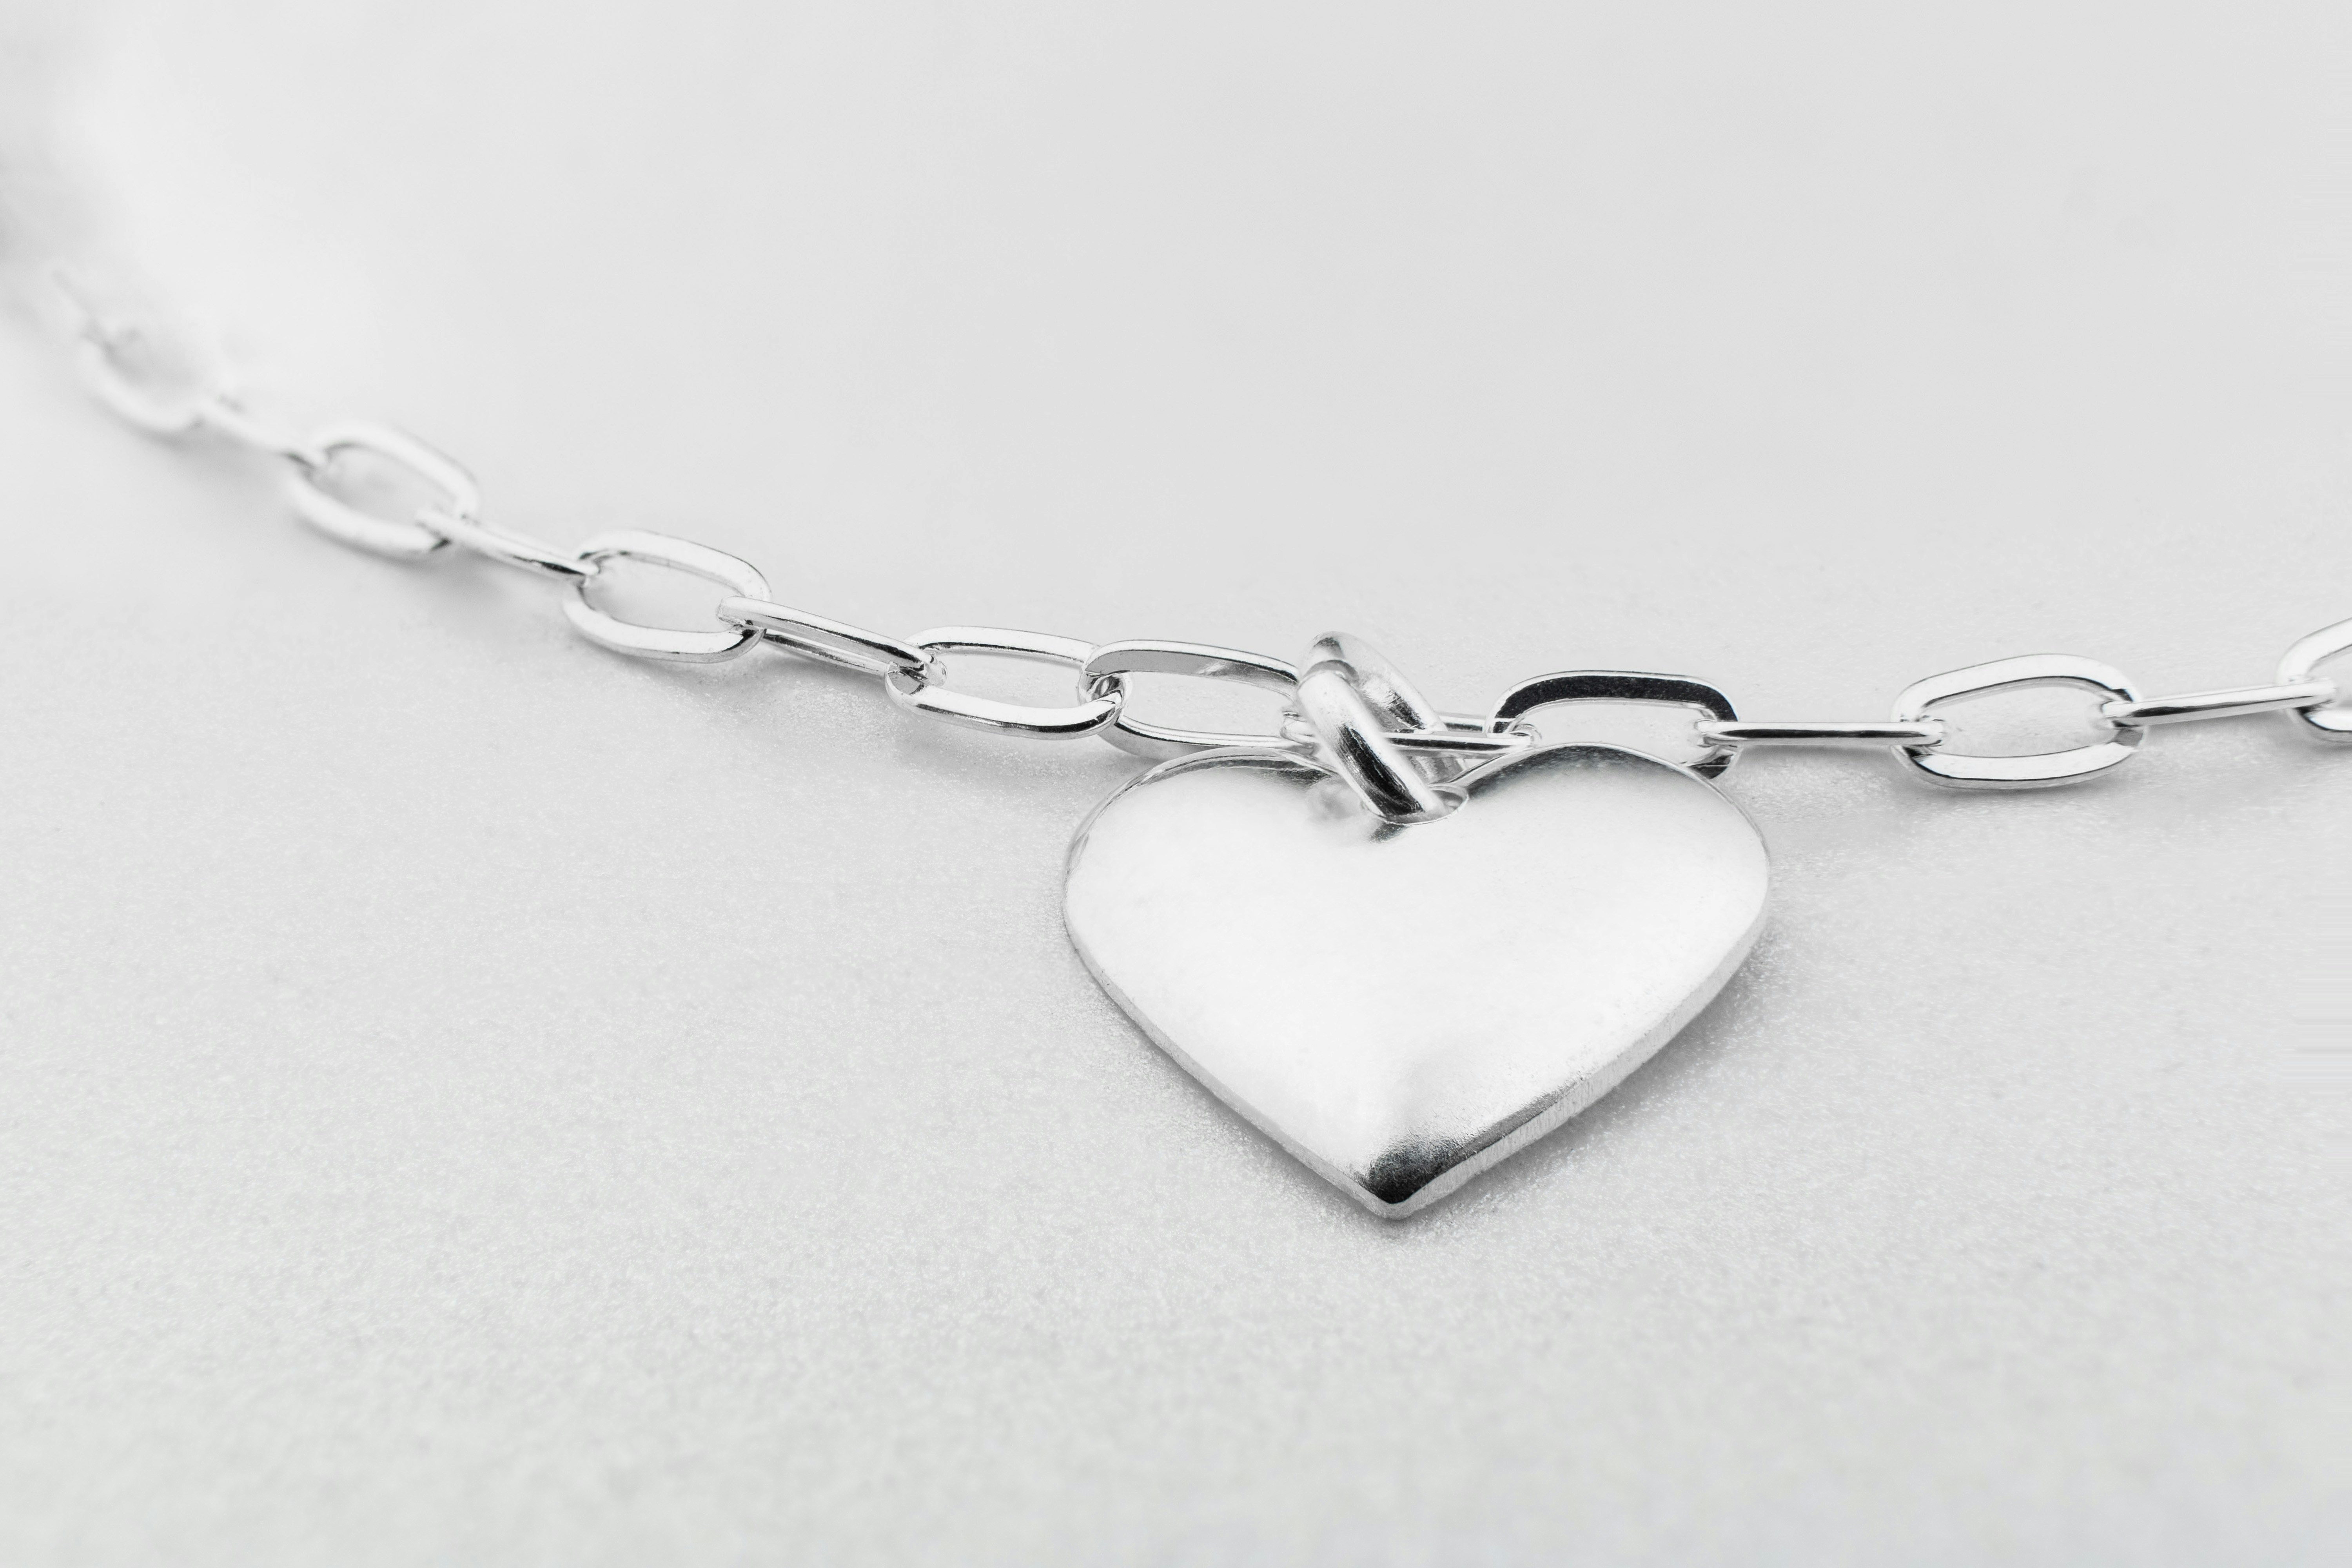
point(468, 1097)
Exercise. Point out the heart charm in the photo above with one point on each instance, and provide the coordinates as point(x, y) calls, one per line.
point(1401, 1007)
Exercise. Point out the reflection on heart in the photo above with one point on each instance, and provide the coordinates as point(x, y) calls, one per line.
point(1401, 1007)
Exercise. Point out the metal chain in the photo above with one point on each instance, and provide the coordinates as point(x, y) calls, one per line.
point(1347, 707)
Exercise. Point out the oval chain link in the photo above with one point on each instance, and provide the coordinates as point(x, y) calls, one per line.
point(1200, 661)
point(402, 538)
point(601, 626)
point(923, 692)
point(1627, 686)
point(1960, 770)
point(102, 345)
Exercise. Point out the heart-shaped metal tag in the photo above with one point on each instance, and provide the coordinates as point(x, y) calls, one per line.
point(1401, 1007)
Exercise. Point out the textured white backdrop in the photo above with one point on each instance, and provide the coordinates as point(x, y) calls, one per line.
point(467, 1097)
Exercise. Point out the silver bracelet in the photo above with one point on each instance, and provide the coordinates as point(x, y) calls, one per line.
point(1269, 908)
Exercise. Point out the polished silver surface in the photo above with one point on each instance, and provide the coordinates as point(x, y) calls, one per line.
point(1200, 661)
point(739, 576)
point(1624, 685)
point(1463, 739)
point(2041, 769)
point(923, 694)
point(1352, 737)
point(524, 554)
point(1395, 702)
point(402, 538)
point(1869, 736)
point(1395, 699)
point(825, 640)
point(2328, 722)
point(1471, 742)
point(2231, 703)
point(1404, 1008)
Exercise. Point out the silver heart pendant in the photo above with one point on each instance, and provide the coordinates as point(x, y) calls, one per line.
point(1402, 1007)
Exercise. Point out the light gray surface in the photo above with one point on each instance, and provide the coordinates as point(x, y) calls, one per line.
point(466, 1097)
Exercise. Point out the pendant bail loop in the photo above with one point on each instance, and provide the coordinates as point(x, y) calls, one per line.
point(1356, 701)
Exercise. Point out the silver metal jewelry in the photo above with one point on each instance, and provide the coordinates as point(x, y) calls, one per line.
point(1261, 904)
